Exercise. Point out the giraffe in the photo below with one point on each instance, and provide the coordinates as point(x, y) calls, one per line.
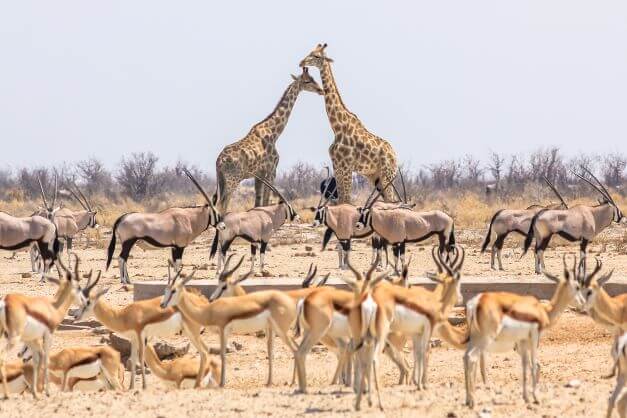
point(354, 149)
point(256, 153)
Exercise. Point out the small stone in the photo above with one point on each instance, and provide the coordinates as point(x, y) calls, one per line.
point(574, 383)
point(451, 415)
point(308, 248)
point(436, 342)
point(27, 275)
point(260, 334)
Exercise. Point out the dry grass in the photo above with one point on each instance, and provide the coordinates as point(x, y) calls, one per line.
point(469, 210)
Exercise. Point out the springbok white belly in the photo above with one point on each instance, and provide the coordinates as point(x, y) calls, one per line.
point(171, 326)
point(33, 329)
point(248, 325)
point(512, 331)
point(86, 371)
point(408, 321)
point(339, 326)
point(91, 385)
point(18, 385)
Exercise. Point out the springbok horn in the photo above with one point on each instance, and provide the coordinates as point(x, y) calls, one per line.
point(231, 271)
point(435, 259)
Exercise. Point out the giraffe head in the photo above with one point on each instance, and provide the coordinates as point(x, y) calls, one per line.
point(307, 82)
point(316, 58)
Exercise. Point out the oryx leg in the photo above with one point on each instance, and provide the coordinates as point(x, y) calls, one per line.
point(346, 248)
point(177, 257)
point(402, 253)
point(224, 248)
point(122, 260)
point(253, 256)
point(262, 254)
point(582, 252)
point(496, 250)
point(396, 249)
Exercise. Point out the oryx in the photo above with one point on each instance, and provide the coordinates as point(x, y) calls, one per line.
point(340, 221)
point(579, 223)
point(18, 233)
point(399, 226)
point(506, 221)
point(256, 225)
point(173, 228)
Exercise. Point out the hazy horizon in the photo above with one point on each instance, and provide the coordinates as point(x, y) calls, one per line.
point(107, 79)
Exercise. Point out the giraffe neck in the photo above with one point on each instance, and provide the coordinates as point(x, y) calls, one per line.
point(272, 126)
point(336, 110)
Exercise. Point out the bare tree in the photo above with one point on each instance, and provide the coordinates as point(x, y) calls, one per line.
point(300, 180)
point(93, 175)
point(138, 177)
point(613, 169)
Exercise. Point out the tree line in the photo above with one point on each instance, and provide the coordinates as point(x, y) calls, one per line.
point(139, 176)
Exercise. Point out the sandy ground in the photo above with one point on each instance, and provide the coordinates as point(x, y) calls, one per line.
point(575, 349)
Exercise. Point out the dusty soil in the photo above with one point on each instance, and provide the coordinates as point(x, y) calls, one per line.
point(575, 349)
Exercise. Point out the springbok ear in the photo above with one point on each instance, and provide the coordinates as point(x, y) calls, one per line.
point(294, 77)
point(101, 293)
point(377, 280)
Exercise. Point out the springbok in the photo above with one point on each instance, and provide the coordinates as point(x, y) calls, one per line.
point(33, 320)
point(84, 368)
point(139, 321)
point(397, 227)
point(173, 228)
point(272, 310)
point(579, 223)
point(502, 321)
point(506, 221)
point(256, 225)
point(181, 372)
point(19, 376)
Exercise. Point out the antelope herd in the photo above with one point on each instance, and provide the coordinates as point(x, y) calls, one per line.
point(379, 314)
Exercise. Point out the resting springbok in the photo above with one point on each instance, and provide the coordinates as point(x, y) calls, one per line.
point(139, 321)
point(503, 321)
point(173, 228)
point(506, 221)
point(272, 310)
point(33, 320)
point(84, 368)
point(19, 376)
point(400, 226)
point(579, 223)
point(256, 225)
point(181, 372)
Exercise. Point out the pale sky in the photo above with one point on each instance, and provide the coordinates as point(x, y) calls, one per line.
point(438, 79)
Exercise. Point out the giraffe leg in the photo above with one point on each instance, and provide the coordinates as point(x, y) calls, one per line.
point(259, 192)
point(270, 176)
point(344, 180)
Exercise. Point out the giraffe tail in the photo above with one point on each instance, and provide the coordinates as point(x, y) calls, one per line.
point(220, 188)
